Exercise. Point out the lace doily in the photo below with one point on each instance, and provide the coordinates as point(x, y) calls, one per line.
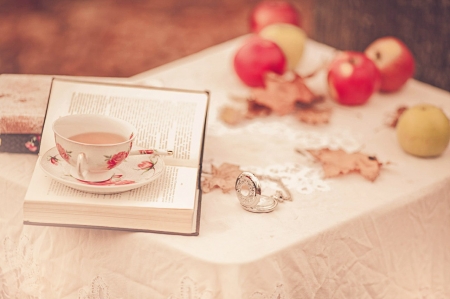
point(302, 179)
point(289, 129)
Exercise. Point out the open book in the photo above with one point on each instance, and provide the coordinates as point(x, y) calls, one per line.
point(166, 119)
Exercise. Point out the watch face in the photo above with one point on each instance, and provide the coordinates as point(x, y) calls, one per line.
point(248, 189)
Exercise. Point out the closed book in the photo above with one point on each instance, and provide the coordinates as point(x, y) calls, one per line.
point(23, 102)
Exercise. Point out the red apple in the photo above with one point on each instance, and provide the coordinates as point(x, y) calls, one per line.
point(273, 11)
point(257, 57)
point(394, 60)
point(352, 78)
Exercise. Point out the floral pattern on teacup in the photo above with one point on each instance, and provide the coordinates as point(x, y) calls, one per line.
point(115, 159)
point(64, 153)
point(147, 165)
point(126, 176)
point(131, 137)
point(53, 159)
point(114, 180)
point(146, 152)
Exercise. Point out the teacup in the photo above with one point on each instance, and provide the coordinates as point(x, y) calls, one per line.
point(93, 144)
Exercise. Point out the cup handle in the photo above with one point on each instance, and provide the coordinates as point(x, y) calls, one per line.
point(81, 158)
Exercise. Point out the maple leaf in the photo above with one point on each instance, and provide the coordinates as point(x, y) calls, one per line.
point(223, 177)
point(281, 93)
point(256, 110)
point(231, 115)
point(393, 119)
point(337, 162)
point(313, 115)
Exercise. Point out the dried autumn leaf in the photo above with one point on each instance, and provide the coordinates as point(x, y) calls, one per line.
point(223, 177)
point(283, 92)
point(393, 119)
point(256, 110)
point(314, 116)
point(337, 162)
point(231, 115)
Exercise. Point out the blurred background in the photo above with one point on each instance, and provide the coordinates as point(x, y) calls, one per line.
point(121, 38)
point(117, 38)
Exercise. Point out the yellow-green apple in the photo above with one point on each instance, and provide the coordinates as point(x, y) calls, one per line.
point(352, 78)
point(394, 60)
point(255, 58)
point(290, 38)
point(273, 11)
point(423, 130)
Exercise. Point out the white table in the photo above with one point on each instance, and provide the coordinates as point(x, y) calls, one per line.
point(344, 237)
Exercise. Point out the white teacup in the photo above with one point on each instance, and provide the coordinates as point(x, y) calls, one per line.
point(93, 144)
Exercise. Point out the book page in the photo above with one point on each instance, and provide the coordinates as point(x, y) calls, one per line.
point(165, 119)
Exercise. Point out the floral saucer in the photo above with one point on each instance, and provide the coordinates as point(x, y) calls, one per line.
point(135, 171)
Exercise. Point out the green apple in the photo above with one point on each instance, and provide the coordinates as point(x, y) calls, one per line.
point(423, 131)
point(290, 38)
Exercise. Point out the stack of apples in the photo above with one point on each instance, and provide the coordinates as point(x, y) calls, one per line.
point(276, 44)
point(385, 66)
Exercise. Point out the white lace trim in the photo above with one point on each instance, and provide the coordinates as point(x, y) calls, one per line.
point(20, 275)
point(278, 293)
point(98, 289)
point(188, 290)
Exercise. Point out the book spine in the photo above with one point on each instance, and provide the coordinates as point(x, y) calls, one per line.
point(20, 143)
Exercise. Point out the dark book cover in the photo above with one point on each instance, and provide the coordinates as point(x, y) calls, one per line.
point(20, 143)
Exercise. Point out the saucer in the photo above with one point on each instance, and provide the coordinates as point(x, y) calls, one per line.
point(135, 171)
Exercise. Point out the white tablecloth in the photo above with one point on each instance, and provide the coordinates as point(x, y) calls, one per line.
point(344, 237)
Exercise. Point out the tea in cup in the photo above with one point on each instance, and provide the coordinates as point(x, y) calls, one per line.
point(93, 144)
